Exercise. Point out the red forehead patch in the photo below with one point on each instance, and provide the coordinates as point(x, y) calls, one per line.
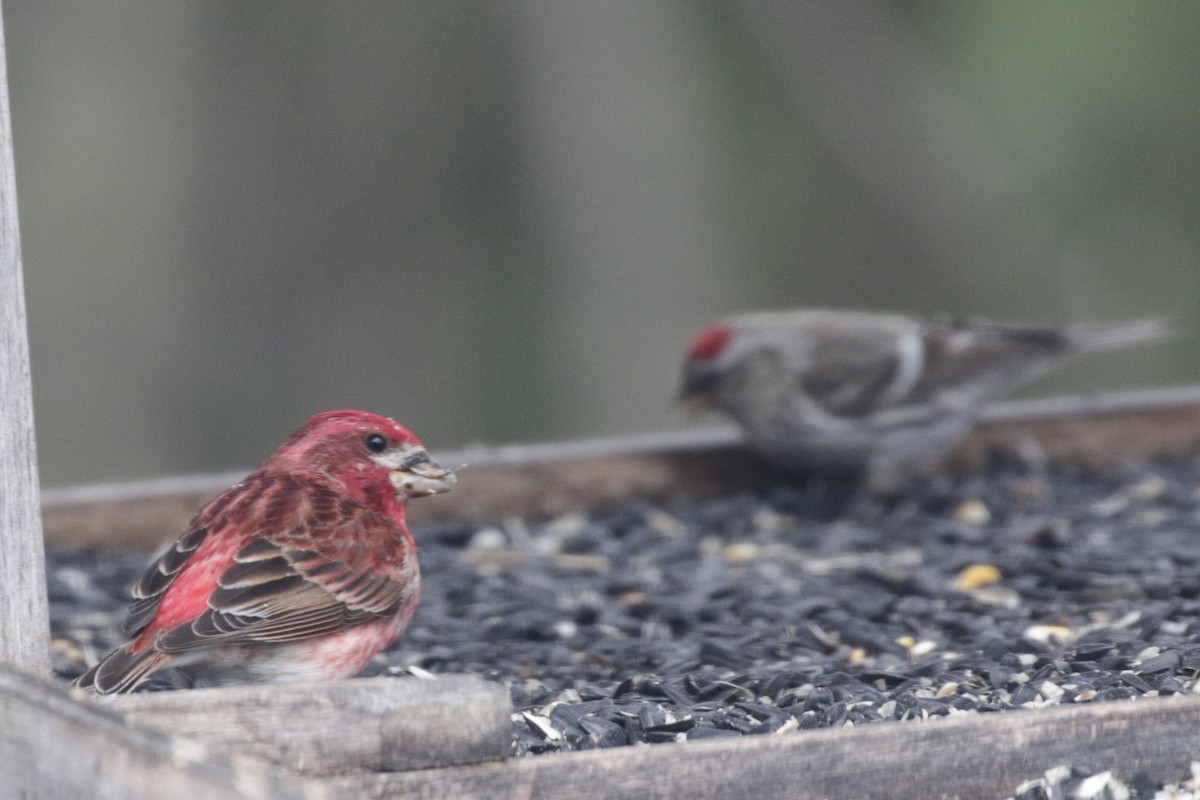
point(709, 342)
point(349, 421)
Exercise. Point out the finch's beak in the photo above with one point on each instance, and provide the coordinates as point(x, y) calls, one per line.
point(419, 476)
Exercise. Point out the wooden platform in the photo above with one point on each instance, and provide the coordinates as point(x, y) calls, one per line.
point(384, 738)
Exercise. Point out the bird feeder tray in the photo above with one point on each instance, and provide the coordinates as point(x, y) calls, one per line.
point(451, 737)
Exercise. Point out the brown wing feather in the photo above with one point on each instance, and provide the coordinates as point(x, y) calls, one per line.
point(158, 577)
point(991, 358)
point(849, 372)
point(163, 571)
point(311, 574)
point(277, 591)
point(121, 670)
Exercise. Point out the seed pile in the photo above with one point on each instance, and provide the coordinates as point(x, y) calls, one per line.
point(763, 612)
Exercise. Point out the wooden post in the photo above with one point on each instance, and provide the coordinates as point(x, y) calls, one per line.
point(24, 621)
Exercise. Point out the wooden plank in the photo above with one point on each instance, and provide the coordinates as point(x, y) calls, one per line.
point(1092, 431)
point(56, 748)
point(383, 724)
point(24, 622)
point(547, 479)
point(977, 756)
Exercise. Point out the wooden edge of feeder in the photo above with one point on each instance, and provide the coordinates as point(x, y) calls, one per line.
point(1091, 431)
point(53, 747)
point(380, 724)
point(971, 756)
point(978, 755)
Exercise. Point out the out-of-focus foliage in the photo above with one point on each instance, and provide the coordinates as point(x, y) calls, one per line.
point(502, 221)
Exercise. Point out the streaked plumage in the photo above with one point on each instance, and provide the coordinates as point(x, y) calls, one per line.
point(884, 394)
point(303, 571)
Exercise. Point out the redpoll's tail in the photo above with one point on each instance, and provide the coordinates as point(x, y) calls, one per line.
point(1113, 335)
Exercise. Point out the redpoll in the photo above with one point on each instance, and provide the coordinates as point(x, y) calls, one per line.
point(303, 571)
point(884, 394)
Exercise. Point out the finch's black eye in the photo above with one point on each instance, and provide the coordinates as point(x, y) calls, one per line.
point(375, 443)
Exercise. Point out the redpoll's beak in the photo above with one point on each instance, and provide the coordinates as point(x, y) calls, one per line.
point(696, 393)
point(696, 402)
point(419, 476)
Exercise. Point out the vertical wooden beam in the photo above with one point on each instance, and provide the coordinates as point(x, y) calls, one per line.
point(24, 621)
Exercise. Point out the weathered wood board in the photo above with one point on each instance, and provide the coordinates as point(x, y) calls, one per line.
point(380, 724)
point(538, 480)
point(55, 748)
point(24, 625)
point(969, 757)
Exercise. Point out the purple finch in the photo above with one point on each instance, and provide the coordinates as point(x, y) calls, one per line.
point(880, 394)
point(303, 571)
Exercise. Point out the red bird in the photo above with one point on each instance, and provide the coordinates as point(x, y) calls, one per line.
point(303, 571)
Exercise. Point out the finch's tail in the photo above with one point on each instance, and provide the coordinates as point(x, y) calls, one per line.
point(121, 671)
point(1130, 333)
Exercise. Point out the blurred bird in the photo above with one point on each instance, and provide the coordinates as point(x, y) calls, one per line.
point(879, 395)
point(303, 571)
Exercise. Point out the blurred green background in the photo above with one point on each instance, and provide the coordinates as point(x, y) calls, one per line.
point(502, 221)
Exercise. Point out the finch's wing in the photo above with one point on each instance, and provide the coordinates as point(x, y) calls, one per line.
point(321, 563)
point(280, 592)
point(223, 513)
point(159, 577)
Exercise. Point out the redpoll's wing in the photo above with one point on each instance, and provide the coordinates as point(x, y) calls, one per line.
point(982, 360)
point(861, 370)
point(855, 372)
point(970, 361)
point(278, 591)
